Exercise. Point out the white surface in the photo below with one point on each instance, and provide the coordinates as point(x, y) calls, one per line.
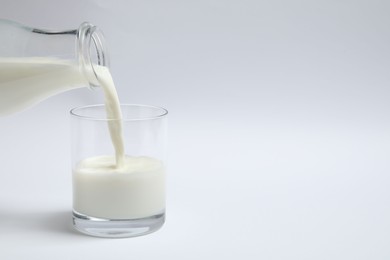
point(281, 108)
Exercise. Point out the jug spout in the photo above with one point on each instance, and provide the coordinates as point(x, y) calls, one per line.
point(91, 51)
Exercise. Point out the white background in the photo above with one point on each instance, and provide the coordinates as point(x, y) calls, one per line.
point(279, 130)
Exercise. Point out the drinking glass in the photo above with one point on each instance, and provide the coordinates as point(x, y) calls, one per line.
point(125, 201)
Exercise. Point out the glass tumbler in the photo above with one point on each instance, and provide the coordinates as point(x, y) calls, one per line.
point(125, 201)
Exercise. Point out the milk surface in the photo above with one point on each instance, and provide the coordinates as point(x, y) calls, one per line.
point(102, 190)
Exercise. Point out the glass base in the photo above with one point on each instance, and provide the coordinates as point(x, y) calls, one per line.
point(114, 228)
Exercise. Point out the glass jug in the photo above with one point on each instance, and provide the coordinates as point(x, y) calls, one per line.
point(36, 64)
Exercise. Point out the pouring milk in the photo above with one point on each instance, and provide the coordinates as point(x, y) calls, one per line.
point(136, 184)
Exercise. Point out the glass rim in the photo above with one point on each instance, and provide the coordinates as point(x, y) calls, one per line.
point(162, 114)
